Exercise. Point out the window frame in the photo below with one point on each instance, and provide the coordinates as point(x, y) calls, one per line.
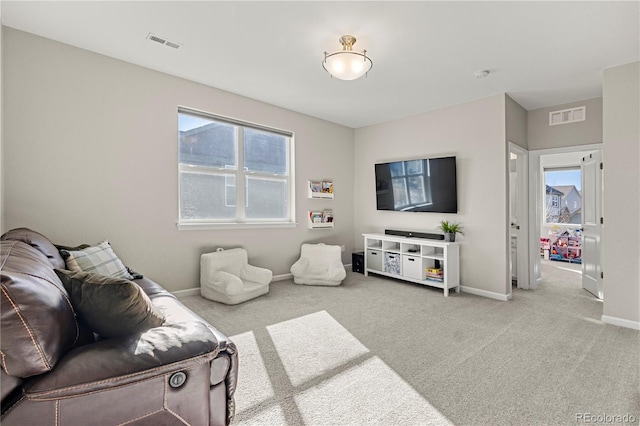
point(241, 175)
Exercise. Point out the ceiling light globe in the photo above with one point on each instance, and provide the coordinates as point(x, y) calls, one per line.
point(347, 65)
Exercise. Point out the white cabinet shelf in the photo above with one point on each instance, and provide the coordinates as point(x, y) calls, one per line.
point(429, 262)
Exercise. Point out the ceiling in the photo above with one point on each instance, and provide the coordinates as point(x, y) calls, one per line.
point(424, 54)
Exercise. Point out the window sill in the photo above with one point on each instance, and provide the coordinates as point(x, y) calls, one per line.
point(250, 225)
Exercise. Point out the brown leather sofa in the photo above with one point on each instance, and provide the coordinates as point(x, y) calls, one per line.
point(55, 371)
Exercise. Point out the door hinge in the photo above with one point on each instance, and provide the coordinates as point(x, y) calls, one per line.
point(601, 166)
point(602, 275)
point(602, 221)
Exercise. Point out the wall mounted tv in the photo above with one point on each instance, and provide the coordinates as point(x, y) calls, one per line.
point(426, 185)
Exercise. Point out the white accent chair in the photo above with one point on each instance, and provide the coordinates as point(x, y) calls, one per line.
point(319, 264)
point(227, 277)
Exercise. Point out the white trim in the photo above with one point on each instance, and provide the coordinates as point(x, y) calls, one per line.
point(195, 291)
point(282, 277)
point(523, 246)
point(251, 225)
point(187, 292)
point(485, 293)
point(621, 322)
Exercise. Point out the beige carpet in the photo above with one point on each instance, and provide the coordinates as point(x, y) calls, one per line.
point(385, 352)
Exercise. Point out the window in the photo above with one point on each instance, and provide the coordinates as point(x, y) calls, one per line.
point(563, 200)
point(222, 161)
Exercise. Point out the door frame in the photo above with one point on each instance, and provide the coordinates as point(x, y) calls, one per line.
point(535, 204)
point(522, 207)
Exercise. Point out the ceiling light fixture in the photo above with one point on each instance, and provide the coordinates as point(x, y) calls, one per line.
point(482, 73)
point(347, 64)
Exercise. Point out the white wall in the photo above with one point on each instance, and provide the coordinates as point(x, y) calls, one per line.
point(541, 136)
point(621, 101)
point(516, 123)
point(475, 133)
point(90, 152)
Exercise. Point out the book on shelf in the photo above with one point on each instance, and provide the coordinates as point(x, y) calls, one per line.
point(325, 216)
point(315, 186)
point(327, 186)
point(434, 274)
point(315, 217)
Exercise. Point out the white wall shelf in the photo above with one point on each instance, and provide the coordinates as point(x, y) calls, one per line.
point(322, 189)
point(320, 219)
point(321, 225)
point(410, 259)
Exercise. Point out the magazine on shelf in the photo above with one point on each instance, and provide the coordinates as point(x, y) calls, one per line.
point(327, 186)
point(316, 186)
point(315, 217)
point(327, 216)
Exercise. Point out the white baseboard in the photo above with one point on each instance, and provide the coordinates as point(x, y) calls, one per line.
point(187, 292)
point(282, 277)
point(196, 290)
point(485, 293)
point(620, 322)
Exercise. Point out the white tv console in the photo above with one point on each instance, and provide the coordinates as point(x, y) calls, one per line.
point(408, 259)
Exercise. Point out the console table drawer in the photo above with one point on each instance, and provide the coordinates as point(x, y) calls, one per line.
point(412, 267)
point(374, 259)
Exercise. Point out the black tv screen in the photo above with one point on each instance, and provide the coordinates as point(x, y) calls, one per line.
point(426, 185)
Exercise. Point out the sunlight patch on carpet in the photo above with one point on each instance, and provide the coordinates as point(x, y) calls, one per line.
point(312, 345)
point(370, 393)
point(254, 386)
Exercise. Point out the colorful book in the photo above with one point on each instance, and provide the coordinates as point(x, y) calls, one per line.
point(327, 186)
point(315, 185)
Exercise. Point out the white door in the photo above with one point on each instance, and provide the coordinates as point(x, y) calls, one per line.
point(519, 214)
point(592, 223)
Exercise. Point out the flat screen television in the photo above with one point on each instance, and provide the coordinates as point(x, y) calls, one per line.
point(426, 185)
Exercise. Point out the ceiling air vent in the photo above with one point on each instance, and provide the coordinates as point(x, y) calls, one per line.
point(162, 40)
point(565, 116)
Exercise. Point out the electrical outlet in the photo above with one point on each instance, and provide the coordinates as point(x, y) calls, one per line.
point(343, 248)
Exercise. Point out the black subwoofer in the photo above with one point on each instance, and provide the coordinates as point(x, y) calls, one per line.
point(357, 262)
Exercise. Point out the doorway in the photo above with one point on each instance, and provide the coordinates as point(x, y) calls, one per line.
point(558, 196)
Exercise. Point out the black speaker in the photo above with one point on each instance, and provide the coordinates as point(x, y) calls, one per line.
point(357, 262)
point(413, 234)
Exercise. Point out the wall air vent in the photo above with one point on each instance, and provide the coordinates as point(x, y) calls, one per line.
point(162, 40)
point(566, 116)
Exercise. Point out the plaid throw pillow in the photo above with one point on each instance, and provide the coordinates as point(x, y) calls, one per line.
point(99, 259)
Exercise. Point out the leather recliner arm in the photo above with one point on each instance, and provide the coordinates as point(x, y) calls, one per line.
point(116, 362)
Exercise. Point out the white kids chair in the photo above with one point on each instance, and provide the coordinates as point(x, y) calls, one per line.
point(319, 264)
point(227, 277)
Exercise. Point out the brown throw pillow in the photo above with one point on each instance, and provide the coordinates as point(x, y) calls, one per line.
point(111, 307)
